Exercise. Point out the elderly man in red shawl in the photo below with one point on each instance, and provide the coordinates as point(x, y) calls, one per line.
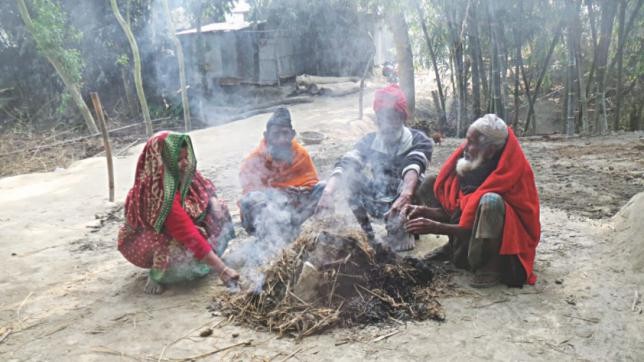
point(384, 170)
point(174, 223)
point(280, 184)
point(486, 201)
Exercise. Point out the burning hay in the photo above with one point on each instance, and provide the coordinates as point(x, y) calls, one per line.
point(326, 280)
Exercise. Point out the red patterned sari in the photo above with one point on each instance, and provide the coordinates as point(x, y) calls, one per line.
point(142, 239)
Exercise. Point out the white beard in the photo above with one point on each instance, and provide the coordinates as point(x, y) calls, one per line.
point(464, 165)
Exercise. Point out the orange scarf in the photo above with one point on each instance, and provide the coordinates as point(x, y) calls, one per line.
point(260, 171)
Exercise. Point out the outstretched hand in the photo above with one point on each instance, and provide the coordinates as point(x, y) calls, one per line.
point(326, 204)
point(422, 225)
point(411, 212)
point(396, 209)
point(229, 277)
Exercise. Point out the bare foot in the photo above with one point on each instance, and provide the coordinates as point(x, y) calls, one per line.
point(152, 287)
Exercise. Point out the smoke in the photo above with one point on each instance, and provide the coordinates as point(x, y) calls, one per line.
point(274, 231)
point(250, 51)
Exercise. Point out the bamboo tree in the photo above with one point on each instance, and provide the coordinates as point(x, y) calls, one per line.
point(495, 71)
point(138, 80)
point(570, 75)
point(480, 84)
point(59, 58)
point(201, 60)
point(609, 8)
point(579, 76)
point(456, 51)
point(182, 68)
point(517, 65)
point(532, 100)
point(593, 32)
point(404, 56)
point(476, 78)
point(501, 52)
point(437, 76)
point(620, 62)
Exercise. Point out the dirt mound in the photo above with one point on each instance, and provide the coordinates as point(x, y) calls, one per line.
point(629, 231)
point(327, 279)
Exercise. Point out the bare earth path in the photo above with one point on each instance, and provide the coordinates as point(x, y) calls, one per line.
point(67, 294)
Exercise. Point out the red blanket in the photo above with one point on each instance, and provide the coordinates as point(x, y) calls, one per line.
point(513, 179)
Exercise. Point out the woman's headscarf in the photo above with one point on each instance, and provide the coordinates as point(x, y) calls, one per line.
point(158, 178)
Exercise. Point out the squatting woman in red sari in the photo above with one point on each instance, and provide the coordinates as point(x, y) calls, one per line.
point(174, 224)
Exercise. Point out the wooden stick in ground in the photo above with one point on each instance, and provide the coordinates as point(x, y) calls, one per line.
point(384, 336)
point(292, 354)
point(635, 299)
point(208, 354)
point(364, 75)
point(98, 108)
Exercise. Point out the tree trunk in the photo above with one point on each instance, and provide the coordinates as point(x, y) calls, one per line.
point(138, 80)
point(182, 68)
point(636, 116)
point(620, 63)
point(476, 77)
point(478, 80)
point(70, 84)
point(201, 55)
point(609, 8)
point(441, 96)
point(593, 32)
point(201, 66)
point(579, 79)
point(502, 56)
point(456, 45)
point(627, 29)
point(569, 107)
point(127, 88)
point(495, 74)
point(404, 57)
point(540, 80)
point(364, 75)
point(515, 122)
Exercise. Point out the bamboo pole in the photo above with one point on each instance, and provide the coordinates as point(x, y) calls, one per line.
point(98, 108)
point(182, 68)
point(136, 57)
point(364, 75)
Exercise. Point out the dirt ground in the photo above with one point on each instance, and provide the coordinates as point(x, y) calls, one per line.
point(67, 294)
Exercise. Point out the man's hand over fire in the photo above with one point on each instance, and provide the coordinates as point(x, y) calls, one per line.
point(422, 226)
point(229, 277)
point(401, 202)
point(326, 204)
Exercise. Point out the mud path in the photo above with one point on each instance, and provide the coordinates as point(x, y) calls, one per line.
point(67, 294)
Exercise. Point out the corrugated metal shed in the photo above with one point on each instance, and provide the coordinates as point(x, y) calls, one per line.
point(243, 53)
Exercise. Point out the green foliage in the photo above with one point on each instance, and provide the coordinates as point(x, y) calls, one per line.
point(54, 37)
point(65, 101)
point(208, 10)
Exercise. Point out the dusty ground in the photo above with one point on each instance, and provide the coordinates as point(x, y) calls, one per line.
point(68, 294)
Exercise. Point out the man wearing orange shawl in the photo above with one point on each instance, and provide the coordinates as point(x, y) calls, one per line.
point(280, 184)
point(486, 201)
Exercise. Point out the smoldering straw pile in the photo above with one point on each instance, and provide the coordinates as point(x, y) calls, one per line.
point(336, 279)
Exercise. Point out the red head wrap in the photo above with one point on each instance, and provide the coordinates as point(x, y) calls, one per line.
point(391, 97)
